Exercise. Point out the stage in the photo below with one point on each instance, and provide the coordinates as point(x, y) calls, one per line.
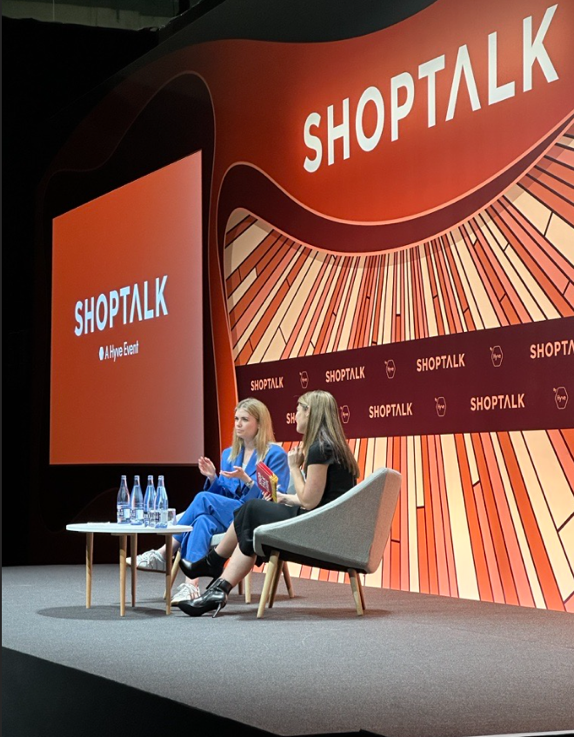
point(414, 666)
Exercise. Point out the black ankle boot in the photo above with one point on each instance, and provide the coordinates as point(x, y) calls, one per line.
point(214, 598)
point(212, 566)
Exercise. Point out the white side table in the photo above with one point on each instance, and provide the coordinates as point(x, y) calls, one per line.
point(123, 531)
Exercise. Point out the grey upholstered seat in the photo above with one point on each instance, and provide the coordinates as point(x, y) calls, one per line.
point(348, 534)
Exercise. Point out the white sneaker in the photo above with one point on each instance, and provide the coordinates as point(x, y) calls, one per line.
point(151, 560)
point(185, 592)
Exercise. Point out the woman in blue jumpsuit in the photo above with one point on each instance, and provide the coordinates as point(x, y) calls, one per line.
point(211, 511)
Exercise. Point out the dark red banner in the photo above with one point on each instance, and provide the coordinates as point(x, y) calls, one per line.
point(485, 381)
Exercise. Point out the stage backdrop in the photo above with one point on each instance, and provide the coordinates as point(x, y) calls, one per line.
point(391, 218)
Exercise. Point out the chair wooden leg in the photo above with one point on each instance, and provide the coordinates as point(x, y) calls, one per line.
point(287, 577)
point(276, 577)
point(271, 568)
point(174, 570)
point(247, 586)
point(361, 592)
point(355, 588)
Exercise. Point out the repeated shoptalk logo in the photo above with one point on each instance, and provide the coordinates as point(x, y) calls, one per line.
point(270, 382)
point(489, 402)
point(349, 373)
point(552, 349)
point(446, 361)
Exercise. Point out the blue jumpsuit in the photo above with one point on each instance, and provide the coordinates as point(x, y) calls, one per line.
point(211, 511)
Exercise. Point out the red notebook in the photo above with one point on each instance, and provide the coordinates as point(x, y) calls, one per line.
point(267, 481)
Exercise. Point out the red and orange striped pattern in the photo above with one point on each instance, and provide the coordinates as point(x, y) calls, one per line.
point(487, 516)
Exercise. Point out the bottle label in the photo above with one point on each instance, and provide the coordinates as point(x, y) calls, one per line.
point(137, 516)
point(124, 514)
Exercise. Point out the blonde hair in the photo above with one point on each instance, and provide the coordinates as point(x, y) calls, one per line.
point(264, 435)
point(324, 426)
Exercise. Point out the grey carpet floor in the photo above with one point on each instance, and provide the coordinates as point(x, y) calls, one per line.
point(414, 666)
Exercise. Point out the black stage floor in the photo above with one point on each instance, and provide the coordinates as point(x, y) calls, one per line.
point(413, 666)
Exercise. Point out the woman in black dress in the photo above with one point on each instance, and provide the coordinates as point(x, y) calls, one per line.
point(322, 469)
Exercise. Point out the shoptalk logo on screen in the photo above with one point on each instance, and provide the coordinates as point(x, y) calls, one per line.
point(133, 303)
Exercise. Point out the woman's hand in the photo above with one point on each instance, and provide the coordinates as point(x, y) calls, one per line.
point(237, 473)
point(289, 499)
point(207, 468)
point(295, 457)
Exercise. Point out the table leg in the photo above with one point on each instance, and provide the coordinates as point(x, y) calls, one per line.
point(134, 567)
point(168, 554)
point(89, 567)
point(123, 549)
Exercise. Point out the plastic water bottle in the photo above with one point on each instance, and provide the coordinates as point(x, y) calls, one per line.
point(137, 503)
point(149, 503)
point(161, 504)
point(123, 503)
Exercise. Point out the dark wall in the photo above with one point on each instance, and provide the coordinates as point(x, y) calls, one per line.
point(49, 68)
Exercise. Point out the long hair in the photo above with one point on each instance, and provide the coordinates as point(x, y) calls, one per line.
point(324, 426)
point(264, 435)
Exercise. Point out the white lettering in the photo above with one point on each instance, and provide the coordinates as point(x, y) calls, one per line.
point(345, 374)
point(497, 401)
point(399, 112)
point(371, 94)
point(101, 321)
point(552, 349)
point(462, 66)
point(148, 314)
point(114, 306)
point(534, 50)
point(124, 294)
point(159, 298)
point(89, 315)
point(258, 385)
point(496, 93)
point(321, 130)
point(338, 131)
point(78, 314)
point(429, 70)
point(100, 312)
point(312, 142)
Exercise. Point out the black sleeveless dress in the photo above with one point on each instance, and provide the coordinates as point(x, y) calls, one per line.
point(261, 512)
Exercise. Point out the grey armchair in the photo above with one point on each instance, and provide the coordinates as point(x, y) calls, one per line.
point(348, 534)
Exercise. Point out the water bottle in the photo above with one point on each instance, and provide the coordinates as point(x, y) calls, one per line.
point(123, 503)
point(161, 504)
point(137, 503)
point(149, 503)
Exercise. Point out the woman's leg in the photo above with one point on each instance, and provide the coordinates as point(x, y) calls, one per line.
point(238, 540)
point(175, 547)
point(205, 505)
point(228, 544)
point(238, 567)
